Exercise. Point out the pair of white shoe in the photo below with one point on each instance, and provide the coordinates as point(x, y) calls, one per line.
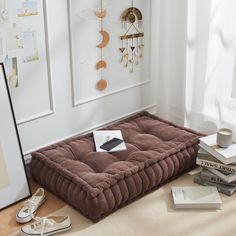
point(43, 226)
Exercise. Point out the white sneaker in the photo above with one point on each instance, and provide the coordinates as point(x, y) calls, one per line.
point(47, 226)
point(30, 206)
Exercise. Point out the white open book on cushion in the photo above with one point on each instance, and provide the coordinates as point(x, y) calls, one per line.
point(102, 136)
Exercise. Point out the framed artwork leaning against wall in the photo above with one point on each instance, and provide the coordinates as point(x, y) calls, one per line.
point(14, 185)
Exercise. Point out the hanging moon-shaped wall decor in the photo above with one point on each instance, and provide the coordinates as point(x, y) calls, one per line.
point(101, 64)
point(105, 39)
point(101, 84)
point(101, 14)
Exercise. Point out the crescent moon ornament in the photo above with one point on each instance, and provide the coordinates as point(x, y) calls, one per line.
point(105, 39)
point(101, 85)
point(101, 14)
point(101, 64)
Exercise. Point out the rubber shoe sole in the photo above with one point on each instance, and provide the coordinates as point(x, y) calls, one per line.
point(22, 233)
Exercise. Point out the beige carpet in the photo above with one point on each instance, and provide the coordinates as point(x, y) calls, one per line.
point(154, 215)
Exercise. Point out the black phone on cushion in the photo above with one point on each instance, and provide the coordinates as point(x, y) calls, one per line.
point(109, 145)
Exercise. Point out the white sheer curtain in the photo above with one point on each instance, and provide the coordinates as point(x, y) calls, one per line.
point(211, 64)
point(197, 68)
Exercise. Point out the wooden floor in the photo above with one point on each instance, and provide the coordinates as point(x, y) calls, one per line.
point(151, 215)
point(8, 224)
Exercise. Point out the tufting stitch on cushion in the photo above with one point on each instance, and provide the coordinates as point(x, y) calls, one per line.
point(99, 183)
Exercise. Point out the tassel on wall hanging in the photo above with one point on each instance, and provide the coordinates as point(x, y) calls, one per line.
point(101, 65)
point(132, 41)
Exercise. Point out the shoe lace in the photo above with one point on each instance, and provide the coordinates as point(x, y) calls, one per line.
point(41, 223)
point(31, 204)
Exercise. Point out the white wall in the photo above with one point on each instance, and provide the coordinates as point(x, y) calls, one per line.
point(67, 121)
point(172, 55)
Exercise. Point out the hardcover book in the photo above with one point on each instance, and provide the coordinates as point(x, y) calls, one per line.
point(196, 197)
point(209, 176)
point(225, 155)
point(207, 160)
point(227, 177)
point(226, 189)
point(103, 136)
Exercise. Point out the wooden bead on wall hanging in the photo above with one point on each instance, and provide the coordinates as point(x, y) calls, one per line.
point(101, 65)
point(132, 41)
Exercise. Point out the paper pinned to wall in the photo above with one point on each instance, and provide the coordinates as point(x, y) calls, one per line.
point(29, 8)
point(23, 49)
point(12, 72)
point(14, 42)
point(30, 46)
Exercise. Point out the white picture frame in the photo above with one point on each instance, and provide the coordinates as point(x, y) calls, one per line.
point(14, 185)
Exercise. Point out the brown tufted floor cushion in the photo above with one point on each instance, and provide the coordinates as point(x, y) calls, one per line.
point(99, 183)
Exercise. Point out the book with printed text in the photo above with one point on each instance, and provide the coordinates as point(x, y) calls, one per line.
point(227, 177)
point(225, 155)
point(205, 159)
point(209, 176)
point(226, 189)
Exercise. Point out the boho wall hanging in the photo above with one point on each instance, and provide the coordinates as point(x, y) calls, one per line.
point(132, 41)
point(101, 65)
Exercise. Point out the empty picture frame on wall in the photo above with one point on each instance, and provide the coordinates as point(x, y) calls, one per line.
point(14, 185)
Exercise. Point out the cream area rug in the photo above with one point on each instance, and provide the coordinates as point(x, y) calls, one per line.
point(154, 215)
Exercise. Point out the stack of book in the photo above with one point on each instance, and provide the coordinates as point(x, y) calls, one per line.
point(219, 165)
